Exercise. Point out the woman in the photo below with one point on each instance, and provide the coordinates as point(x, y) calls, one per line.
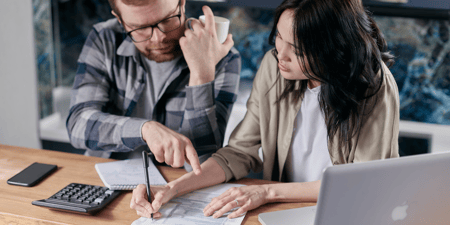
point(322, 97)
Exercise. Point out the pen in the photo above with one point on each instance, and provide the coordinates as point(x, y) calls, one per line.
point(147, 181)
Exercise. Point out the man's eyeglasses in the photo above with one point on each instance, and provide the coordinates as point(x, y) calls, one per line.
point(166, 25)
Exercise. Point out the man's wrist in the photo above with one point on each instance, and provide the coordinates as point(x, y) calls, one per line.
point(145, 128)
point(142, 133)
point(199, 78)
point(196, 82)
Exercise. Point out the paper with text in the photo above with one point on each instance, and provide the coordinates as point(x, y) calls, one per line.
point(188, 209)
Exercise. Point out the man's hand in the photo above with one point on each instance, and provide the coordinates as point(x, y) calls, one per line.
point(202, 50)
point(139, 202)
point(169, 146)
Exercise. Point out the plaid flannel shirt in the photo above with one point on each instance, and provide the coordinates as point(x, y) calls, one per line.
point(110, 80)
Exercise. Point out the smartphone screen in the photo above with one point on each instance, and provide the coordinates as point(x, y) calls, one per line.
point(32, 174)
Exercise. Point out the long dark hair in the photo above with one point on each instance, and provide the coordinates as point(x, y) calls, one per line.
point(339, 45)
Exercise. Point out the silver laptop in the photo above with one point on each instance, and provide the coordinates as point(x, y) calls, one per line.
point(407, 190)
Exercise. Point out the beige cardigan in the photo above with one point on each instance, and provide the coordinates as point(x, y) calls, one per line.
point(270, 126)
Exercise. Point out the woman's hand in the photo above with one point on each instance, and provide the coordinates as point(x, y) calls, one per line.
point(160, 196)
point(245, 197)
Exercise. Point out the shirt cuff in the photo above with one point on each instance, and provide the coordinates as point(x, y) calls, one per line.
point(200, 96)
point(222, 163)
point(132, 133)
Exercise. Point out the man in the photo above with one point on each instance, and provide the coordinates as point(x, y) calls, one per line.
point(143, 79)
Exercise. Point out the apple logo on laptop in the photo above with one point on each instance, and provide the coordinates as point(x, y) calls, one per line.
point(399, 212)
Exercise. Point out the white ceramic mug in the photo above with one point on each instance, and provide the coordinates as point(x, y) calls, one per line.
point(222, 26)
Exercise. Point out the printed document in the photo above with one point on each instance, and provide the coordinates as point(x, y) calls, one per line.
point(188, 209)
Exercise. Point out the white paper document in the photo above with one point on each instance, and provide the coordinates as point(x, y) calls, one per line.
point(188, 209)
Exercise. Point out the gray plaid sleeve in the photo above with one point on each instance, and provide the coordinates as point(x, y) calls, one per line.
point(208, 106)
point(89, 125)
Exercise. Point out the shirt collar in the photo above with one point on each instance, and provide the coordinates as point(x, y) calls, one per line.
point(127, 48)
point(315, 90)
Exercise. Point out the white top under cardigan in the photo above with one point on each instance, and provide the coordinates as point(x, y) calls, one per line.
point(308, 155)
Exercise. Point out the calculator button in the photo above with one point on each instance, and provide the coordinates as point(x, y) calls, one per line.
point(62, 202)
point(104, 196)
point(65, 197)
point(86, 202)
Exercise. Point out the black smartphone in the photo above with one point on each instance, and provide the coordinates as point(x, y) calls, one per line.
point(31, 175)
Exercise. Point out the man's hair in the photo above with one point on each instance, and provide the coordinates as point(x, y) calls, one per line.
point(112, 3)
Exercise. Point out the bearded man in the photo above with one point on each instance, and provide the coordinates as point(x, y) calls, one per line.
point(145, 81)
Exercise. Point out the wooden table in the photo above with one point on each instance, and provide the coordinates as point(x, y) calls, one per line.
point(15, 201)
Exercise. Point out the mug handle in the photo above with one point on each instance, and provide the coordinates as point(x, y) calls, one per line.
point(187, 24)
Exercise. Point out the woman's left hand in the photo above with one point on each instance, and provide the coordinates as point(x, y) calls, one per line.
point(245, 197)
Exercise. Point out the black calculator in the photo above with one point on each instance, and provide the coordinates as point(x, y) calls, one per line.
point(79, 198)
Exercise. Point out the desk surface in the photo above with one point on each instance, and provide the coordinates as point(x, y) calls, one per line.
point(16, 208)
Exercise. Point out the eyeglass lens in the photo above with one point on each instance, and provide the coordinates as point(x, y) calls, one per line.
point(165, 26)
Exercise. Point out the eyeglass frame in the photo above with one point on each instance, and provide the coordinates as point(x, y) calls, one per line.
point(156, 25)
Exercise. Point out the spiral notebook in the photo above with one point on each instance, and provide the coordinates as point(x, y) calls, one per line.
point(127, 174)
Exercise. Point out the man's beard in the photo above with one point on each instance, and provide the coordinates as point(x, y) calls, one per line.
point(159, 57)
